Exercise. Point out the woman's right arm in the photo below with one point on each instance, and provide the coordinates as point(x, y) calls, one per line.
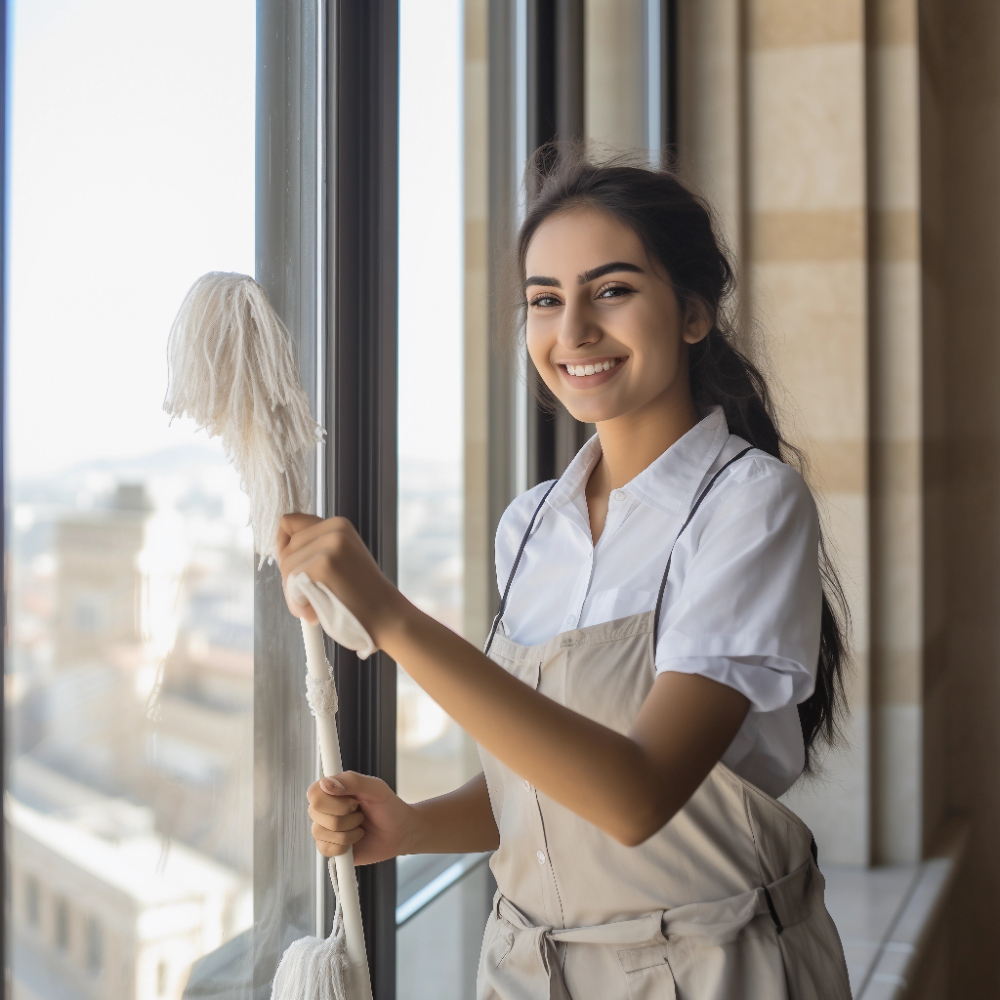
point(364, 811)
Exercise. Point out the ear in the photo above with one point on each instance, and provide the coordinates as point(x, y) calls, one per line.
point(698, 321)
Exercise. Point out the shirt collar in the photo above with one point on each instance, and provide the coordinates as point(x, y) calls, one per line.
point(670, 482)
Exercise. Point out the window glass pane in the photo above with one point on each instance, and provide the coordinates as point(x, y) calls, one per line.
point(438, 949)
point(129, 686)
point(432, 756)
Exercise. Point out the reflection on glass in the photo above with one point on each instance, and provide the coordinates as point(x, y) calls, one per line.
point(129, 684)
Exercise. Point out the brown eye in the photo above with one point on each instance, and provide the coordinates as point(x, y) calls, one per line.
point(614, 291)
point(544, 301)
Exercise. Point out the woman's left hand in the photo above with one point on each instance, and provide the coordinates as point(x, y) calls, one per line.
point(332, 552)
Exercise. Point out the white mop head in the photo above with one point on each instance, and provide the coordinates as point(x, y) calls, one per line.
point(315, 968)
point(232, 369)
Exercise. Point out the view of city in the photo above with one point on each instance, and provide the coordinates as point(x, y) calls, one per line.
point(129, 665)
point(130, 723)
point(129, 698)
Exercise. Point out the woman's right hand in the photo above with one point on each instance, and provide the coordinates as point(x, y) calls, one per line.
point(359, 810)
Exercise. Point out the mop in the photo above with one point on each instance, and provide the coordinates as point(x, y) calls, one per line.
point(232, 369)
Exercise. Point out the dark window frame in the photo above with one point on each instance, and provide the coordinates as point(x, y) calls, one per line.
point(327, 117)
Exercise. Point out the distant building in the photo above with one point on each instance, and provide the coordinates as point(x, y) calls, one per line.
point(104, 908)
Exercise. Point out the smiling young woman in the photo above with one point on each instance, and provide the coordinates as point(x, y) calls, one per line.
point(664, 656)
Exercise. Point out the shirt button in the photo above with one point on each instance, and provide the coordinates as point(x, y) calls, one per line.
point(541, 857)
point(571, 619)
point(618, 496)
point(527, 785)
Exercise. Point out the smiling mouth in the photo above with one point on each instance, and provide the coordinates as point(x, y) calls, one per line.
point(591, 368)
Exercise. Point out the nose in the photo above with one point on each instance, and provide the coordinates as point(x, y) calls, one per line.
point(578, 327)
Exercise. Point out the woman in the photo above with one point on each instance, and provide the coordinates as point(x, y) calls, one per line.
point(664, 656)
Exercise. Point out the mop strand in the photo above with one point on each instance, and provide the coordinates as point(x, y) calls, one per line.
point(315, 968)
point(232, 369)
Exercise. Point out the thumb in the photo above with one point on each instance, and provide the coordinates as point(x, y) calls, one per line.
point(362, 786)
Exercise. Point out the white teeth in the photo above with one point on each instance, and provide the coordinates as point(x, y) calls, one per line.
point(579, 370)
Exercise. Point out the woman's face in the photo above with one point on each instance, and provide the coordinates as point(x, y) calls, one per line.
point(598, 305)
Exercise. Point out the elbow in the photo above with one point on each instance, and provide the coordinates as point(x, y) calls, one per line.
point(641, 824)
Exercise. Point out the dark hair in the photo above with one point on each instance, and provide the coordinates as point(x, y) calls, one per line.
point(677, 229)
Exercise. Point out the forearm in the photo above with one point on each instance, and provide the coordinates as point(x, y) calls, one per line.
point(628, 785)
point(600, 774)
point(457, 823)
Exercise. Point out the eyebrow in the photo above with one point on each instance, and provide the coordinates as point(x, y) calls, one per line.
point(582, 279)
point(599, 272)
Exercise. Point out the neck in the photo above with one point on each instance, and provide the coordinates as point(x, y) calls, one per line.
point(633, 441)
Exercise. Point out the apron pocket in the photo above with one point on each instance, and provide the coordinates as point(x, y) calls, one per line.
point(647, 973)
point(499, 948)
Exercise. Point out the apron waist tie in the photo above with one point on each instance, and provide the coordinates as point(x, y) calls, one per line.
point(531, 957)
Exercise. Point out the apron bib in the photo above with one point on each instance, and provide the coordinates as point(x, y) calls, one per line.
point(725, 902)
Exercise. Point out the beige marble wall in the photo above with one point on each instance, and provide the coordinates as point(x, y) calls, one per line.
point(773, 132)
point(613, 73)
point(807, 271)
point(710, 109)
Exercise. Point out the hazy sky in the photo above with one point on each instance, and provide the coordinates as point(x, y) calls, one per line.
point(430, 230)
point(132, 172)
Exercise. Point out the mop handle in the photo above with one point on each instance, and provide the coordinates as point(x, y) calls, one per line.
point(329, 751)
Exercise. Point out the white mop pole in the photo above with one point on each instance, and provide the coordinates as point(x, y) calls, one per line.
point(347, 886)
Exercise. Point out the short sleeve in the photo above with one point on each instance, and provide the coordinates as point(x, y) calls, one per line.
point(743, 599)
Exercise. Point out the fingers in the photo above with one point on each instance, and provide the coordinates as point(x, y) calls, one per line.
point(340, 795)
point(333, 823)
point(290, 524)
point(334, 804)
point(362, 788)
point(330, 843)
point(299, 530)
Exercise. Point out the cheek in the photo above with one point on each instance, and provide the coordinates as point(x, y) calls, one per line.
point(539, 338)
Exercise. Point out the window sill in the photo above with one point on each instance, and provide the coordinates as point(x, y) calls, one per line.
point(886, 916)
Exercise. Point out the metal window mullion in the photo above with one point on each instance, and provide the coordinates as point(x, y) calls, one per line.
point(361, 223)
point(555, 88)
point(661, 80)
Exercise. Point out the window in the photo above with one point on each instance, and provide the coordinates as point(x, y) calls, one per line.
point(442, 901)
point(129, 657)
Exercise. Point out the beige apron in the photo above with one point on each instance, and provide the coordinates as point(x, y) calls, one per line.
point(724, 903)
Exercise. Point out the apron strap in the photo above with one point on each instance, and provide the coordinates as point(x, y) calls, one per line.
point(513, 569)
point(694, 510)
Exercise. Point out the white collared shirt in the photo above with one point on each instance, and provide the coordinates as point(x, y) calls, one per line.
point(742, 600)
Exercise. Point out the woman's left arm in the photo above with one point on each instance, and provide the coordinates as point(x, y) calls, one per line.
point(629, 786)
